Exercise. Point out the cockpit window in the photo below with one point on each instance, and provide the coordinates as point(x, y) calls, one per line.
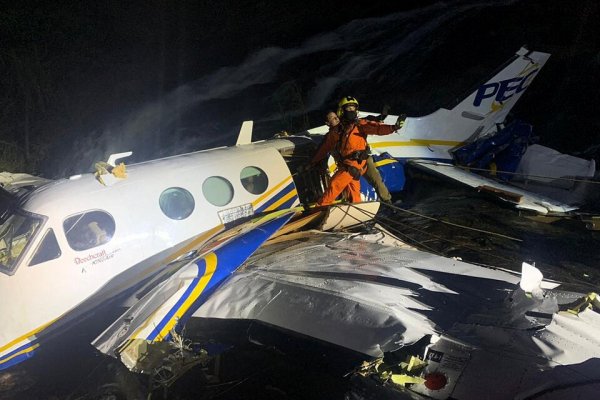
point(16, 232)
point(254, 180)
point(89, 229)
point(47, 250)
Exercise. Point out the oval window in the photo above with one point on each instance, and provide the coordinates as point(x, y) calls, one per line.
point(254, 180)
point(217, 190)
point(176, 203)
point(89, 229)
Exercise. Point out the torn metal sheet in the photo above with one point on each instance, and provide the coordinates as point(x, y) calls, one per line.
point(386, 296)
point(377, 299)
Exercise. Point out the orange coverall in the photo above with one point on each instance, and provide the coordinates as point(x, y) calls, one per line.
point(343, 141)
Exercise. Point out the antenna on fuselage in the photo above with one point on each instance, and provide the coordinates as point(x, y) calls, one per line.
point(245, 135)
point(112, 160)
point(108, 173)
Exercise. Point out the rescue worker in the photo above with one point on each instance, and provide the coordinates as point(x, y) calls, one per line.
point(372, 174)
point(347, 142)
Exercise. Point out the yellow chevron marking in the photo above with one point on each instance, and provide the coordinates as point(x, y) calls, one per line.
point(211, 266)
point(194, 244)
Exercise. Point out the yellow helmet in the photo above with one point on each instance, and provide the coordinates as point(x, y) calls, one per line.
point(345, 101)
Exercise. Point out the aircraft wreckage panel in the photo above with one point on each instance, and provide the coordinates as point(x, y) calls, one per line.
point(372, 298)
point(326, 285)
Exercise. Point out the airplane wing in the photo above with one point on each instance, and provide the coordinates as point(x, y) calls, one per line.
point(476, 323)
point(386, 296)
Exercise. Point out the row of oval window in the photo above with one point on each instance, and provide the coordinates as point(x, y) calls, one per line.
point(178, 203)
point(94, 228)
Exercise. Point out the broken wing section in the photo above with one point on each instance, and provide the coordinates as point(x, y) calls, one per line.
point(522, 199)
point(162, 312)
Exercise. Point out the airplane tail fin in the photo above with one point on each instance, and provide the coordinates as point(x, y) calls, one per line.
point(493, 100)
point(433, 136)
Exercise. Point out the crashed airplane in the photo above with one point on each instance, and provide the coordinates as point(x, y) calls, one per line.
point(228, 233)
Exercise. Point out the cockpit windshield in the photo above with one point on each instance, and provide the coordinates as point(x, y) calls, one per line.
point(16, 232)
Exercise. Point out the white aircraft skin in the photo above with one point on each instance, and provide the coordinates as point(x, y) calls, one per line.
point(40, 299)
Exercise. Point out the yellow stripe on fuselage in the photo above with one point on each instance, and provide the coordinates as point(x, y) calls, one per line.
point(416, 142)
point(267, 194)
point(24, 351)
point(282, 200)
point(385, 162)
point(27, 335)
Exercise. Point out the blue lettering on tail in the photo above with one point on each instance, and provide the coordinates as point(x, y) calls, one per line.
point(503, 90)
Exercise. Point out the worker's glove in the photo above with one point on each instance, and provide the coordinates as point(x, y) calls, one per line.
point(400, 121)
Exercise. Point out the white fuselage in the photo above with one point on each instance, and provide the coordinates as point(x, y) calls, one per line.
point(40, 296)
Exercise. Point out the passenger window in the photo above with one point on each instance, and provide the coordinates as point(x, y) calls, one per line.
point(217, 190)
point(176, 203)
point(254, 180)
point(47, 250)
point(89, 229)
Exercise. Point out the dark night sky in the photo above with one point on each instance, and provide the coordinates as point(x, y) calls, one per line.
point(70, 69)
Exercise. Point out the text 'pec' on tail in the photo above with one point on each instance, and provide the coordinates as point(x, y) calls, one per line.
point(493, 100)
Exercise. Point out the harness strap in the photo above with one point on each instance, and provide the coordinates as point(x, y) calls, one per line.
point(358, 155)
point(354, 172)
